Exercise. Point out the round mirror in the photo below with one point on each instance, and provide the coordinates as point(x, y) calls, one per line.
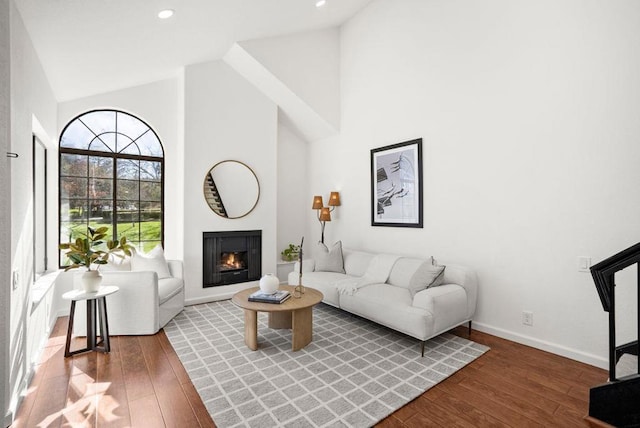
point(231, 189)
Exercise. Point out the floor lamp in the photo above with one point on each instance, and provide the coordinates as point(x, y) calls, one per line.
point(324, 213)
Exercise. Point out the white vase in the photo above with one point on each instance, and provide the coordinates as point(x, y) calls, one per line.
point(91, 281)
point(269, 283)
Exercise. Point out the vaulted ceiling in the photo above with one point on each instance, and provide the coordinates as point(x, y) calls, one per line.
point(93, 46)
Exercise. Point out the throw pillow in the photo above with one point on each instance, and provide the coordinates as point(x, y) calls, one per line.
point(153, 261)
point(427, 275)
point(330, 260)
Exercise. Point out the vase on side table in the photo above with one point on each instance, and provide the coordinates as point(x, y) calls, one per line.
point(91, 281)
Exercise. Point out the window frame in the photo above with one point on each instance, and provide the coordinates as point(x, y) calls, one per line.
point(40, 197)
point(114, 156)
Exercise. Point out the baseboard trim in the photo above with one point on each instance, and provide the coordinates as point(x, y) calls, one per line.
point(61, 313)
point(543, 345)
point(208, 299)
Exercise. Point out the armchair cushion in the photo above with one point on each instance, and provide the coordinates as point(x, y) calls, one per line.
point(153, 261)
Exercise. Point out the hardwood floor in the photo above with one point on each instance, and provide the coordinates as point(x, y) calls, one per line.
point(511, 385)
point(142, 383)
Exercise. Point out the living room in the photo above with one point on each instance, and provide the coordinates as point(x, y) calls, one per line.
point(527, 112)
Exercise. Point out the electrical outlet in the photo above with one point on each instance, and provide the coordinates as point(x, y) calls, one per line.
point(527, 318)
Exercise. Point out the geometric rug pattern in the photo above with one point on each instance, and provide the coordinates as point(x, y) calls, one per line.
point(353, 374)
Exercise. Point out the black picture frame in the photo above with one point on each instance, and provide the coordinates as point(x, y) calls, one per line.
point(396, 185)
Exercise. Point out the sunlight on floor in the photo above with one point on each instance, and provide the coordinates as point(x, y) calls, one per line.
point(88, 404)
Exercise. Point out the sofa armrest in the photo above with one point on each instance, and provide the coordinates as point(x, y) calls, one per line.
point(447, 304)
point(467, 279)
point(176, 269)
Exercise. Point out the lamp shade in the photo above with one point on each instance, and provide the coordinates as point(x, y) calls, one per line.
point(317, 202)
point(334, 199)
point(325, 214)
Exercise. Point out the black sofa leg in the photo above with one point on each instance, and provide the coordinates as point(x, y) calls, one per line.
point(470, 328)
point(423, 347)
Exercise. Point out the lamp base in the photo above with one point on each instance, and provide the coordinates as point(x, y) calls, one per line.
point(298, 291)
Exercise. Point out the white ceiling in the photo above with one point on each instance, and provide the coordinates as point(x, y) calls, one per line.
point(93, 46)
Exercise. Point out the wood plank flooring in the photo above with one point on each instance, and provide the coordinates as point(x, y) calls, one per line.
point(142, 383)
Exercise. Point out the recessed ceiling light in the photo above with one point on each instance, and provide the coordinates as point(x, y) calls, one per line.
point(321, 3)
point(164, 14)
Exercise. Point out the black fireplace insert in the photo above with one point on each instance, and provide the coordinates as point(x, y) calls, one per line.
point(231, 257)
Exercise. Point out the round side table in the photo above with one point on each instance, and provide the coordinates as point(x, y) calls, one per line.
point(95, 301)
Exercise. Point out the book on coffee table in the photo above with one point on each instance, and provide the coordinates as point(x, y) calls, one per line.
point(277, 297)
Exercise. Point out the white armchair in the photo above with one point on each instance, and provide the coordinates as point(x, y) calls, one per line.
point(143, 305)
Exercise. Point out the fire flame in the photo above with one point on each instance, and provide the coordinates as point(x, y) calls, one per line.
point(232, 262)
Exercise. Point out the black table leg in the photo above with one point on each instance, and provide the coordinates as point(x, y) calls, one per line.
point(91, 324)
point(70, 329)
point(104, 324)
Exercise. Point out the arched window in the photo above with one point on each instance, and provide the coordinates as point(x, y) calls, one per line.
point(111, 174)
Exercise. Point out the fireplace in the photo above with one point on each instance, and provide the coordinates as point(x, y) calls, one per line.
point(231, 257)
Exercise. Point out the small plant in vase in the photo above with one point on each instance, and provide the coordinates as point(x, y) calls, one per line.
point(84, 252)
point(291, 253)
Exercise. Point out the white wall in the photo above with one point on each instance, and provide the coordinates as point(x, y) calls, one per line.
point(33, 110)
point(5, 211)
point(159, 105)
point(226, 118)
point(307, 63)
point(528, 111)
point(294, 201)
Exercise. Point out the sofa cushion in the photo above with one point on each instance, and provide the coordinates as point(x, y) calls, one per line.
point(325, 282)
point(356, 262)
point(391, 306)
point(427, 275)
point(153, 261)
point(415, 274)
point(330, 260)
point(169, 287)
point(117, 265)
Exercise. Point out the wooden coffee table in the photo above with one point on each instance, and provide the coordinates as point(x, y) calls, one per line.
point(296, 314)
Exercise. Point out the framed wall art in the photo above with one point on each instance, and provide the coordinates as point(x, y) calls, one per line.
point(396, 185)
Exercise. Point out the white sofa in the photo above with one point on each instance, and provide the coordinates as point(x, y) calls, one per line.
point(143, 305)
point(428, 313)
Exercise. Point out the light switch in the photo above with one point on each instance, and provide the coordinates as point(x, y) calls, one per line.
point(584, 263)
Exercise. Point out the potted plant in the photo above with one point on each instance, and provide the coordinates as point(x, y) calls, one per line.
point(84, 252)
point(290, 253)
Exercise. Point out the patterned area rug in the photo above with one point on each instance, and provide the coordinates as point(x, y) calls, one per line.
point(353, 374)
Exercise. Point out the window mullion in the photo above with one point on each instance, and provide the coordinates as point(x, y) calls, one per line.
point(114, 216)
point(139, 204)
point(88, 197)
point(115, 183)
